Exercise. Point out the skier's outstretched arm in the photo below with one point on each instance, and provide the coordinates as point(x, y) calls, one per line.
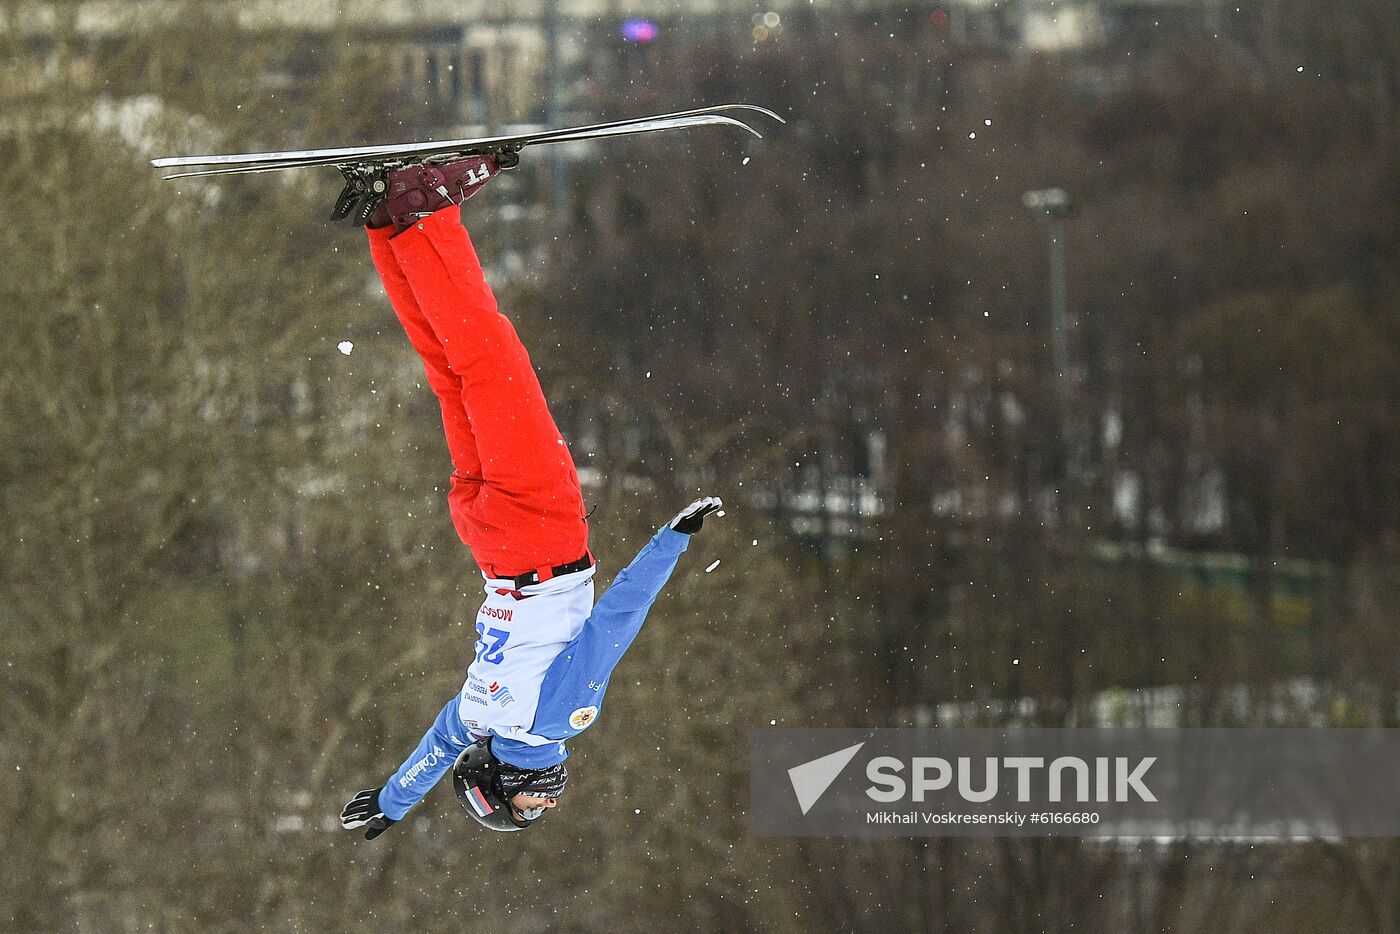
point(580, 673)
point(376, 809)
point(624, 606)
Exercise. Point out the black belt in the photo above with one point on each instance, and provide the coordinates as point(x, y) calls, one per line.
point(540, 575)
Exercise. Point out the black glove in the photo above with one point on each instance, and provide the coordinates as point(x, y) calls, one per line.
point(363, 811)
point(689, 519)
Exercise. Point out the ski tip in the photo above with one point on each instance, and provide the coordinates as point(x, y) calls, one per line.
point(763, 110)
point(741, 123)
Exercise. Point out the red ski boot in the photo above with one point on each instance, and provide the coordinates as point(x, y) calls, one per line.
point(402, 196)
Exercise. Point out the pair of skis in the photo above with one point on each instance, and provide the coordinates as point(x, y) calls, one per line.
point(396, 154)
point(365, 167)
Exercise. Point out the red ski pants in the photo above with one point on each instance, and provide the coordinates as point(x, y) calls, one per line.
point(515, 497)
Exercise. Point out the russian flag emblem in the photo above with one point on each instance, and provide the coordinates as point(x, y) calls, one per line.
point(478, 801)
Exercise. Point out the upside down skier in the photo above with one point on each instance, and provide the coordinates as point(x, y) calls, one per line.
point(544, 652)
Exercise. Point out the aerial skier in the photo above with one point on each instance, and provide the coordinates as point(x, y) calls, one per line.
point(544, 652)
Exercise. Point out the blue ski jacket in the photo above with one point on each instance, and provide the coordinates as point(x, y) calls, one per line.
point(567, 699)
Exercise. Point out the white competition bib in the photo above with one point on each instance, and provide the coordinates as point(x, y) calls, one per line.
point(519, 634)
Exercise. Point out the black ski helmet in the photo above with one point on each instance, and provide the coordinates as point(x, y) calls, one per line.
point(476, 777)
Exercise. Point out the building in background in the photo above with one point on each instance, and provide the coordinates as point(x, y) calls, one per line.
point(486, 64)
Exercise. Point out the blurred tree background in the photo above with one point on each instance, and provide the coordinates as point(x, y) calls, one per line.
point(231, 595)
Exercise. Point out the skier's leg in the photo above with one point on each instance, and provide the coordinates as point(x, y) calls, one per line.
point(461, 444)
point(529, 512)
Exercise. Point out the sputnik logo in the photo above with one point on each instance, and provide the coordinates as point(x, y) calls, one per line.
point(810, 780)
